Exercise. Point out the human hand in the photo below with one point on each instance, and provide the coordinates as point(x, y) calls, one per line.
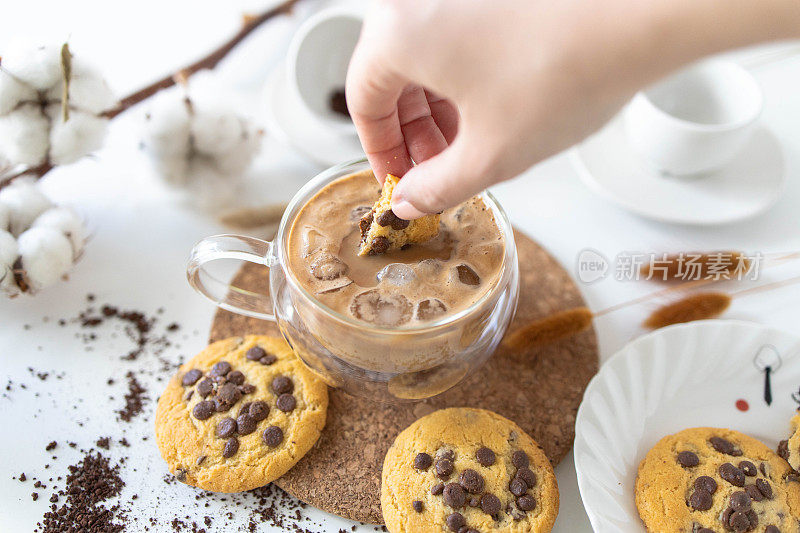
point(476, 92)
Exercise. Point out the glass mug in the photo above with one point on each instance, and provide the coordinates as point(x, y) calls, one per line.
point(381, 363)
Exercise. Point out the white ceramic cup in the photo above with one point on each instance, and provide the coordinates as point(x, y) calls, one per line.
point(317, 61)
point(695, 121)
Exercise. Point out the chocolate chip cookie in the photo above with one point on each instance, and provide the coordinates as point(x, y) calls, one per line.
point(382, 230)
point(239, 414)
point(704, 480)
point(789, 449)
point(467, 470)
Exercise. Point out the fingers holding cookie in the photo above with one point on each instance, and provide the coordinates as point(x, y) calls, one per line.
point(467, 470)
point(239, 414)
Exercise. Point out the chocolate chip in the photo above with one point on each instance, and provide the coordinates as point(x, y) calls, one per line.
point(235, 377)
point(220, 369)
point(188, 396)
point(247, 388)
point(490, 504)
point(526, 502)
point(706, 483)
point(485, 456)
point(454, 495)
point(244, 409)
point(739, 521)
point(753, 517)
point(388, 218)
point(231, 447)
point(783, 450)
point(456, 521)
point(444, 467)
point(518, 487)
point(748, 468)
point(731, 474)
point(437, 489)
point(245, 424)
point(764, 488)
point(688, 459)
point(520, 459)
point(526, 475)
point(227, 396)
point(255, 353)
point(444, 453)
point(471, 481)
point(417, 506)
point(203, 410)
point(282, 385)
point(226, 427)
point(268, 359)
point(754, 493)
point(700, 500)
point(794, 478)
point(740, 501)
point(763, 468)
point(205, 387)
point(366, 222)
point(379, 245)
point(273, 436)
point(258, 410)
point(724, 446)
point(191, 377)
point(423, 461)
point(286, 403)
point(772, 529)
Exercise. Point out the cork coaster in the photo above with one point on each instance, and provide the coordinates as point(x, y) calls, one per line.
point(540, 392)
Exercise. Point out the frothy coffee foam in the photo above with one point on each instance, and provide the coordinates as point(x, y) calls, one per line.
point(406, 287)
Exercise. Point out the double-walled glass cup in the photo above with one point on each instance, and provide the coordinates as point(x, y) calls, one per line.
point(382, 363)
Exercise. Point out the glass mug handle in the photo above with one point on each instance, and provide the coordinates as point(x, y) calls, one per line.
point(225, 295)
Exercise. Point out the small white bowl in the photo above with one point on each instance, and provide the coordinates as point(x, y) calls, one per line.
point(317, 62)
point(696, 120)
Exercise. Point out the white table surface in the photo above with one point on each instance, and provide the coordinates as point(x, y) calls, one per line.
point(141, 239)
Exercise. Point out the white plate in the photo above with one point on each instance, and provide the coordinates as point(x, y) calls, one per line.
point(749, 185)
point(679, 377)
point(291, 123)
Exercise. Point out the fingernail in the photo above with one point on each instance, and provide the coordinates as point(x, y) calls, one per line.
point(405, 210)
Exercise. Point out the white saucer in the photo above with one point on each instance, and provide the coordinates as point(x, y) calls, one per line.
point(684, 376)
point(291, 123)
point(749, 185)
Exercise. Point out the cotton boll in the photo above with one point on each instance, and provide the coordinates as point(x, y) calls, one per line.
point(236, 160)
point(215, 132)
point(88, 91)
point(167, 129)
point(68, 223)
point(13, 91)
point(78, 136)
point(24, 135)
point(46, 256)
point(25, 202)
point(9, 251)
point(5, 217)
point(38, 66)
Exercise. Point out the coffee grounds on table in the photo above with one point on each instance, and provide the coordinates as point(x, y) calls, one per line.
point(134, 399)
point(89, 483)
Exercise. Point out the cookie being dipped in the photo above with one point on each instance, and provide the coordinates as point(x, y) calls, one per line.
point(239, 414)
point(382, 231)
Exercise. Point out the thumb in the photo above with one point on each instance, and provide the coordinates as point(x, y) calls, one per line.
point(438, 183)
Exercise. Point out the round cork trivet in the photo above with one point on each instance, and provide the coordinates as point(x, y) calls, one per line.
point(540, 391)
